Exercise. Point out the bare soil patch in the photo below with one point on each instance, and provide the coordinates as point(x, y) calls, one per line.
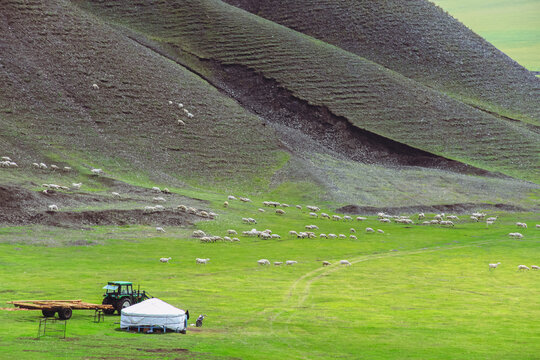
point(454, 208)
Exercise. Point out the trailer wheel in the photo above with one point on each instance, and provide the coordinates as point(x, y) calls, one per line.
point(48, 313)
point(65, 313)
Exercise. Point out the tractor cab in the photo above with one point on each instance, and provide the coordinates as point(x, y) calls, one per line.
point(120, 294)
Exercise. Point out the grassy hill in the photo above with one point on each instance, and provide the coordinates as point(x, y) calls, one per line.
point(347, 85)
point(418, 40)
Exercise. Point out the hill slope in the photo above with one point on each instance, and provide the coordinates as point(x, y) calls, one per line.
point(365, 94)
point(418, 40)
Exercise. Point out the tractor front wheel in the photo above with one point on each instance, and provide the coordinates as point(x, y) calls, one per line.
point(122, 304)
point(48, 313)
point(65, 313)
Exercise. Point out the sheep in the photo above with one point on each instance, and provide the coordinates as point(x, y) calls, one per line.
point(251, 221)
point(438, 217)
point(523, 267)
point(360, 218)
point(353, 237)
point(232, 232)
point(235, 239)
point(323, 236)
point(521, 225)
point(180, 105)
point(159, 208)
point(380, 231)
point(160, 229)
point(198, 234)
point(535, 267)
point(421, 216)
point(190, 115)
point(170, 102)
point(230, 197)
point(299, 207)
point(326, 263)
point(369, 230)
point(182, 208)
point(336, 217)
point(226, 238)
point(156, 189)
point(166, 191)
point(263, 262)
point(313, 208)
point(280, 211)
point(47, 192)
point(352, 230)
point(293, 233)
point(446, 223)
point(312, 227)
point(291, 262)
point(205, 239)
point(494, 266)
point(312, 214)
point(342, 236)
point(347, 218)
point(204, 214)
point(332, 236)
point(115, 194)
point(434, 221)
point(489, 223)
point(36, 165)
point(226, 204)
point(479, 215)
point(67, 169)
point(325, 216)
point(491, 219)
point(43, 166)
point(76, 186)
point(278, 263)
point(243, 199)
point(345, 262)
point(52, 208)
point(180, 122)
point(381, 215)
point(276, 236)
point(159, 199)
point(95, 86)
point(165, 260)
point(538, 226)
point(201, 261)
point(516, 235)
point(261, 210)
point(54, 167)
point(149, 209)
point(474, 218)
point(6, 158)
point(384, 220)
point(426, 222)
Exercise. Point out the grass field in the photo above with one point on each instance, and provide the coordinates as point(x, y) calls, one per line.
point(414, 292)
point(512, 26)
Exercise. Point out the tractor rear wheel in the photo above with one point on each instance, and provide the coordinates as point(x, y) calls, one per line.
point(65, 313)
point(106, 301)
point(122, 304)
point(48, 313)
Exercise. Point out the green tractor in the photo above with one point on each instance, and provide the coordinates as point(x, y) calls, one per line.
point(120, 295)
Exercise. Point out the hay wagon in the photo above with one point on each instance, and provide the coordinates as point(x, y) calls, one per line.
point(64, 308)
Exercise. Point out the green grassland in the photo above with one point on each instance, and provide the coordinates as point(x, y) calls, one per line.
point(512, 26)
point(414, 292)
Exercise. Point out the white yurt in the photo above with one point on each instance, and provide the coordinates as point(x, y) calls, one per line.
point(153, 313)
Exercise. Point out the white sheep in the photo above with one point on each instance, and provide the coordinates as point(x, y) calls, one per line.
point(345, 262)
point(325, 216)
point(52, 208)
point(336, 217)
point(523, 267)
point(276, 236)
point(165, 260)
point(384, 220)
point(230, 197)
point(67, 168)
point(226, 204)
point(261, 210)
point(76, 186)
point(332, 236)
point(156, 189)
point(6, 158)
point(166, 191)
point(299, 207)
point(226, 238)
point(170, 102)
point(313, 208)
point(96, 172)
point(278, 263)
point(244, 199)
point(492, 219)
point(159, 208)
point(36, 165)
point(474, 218)
point(494, 266)
point(232, 232)
point(115, 194)
point(149, 209)
point(380, 231)
point(347, 218)
point(446, 223)
point(291, 262)
point(452, 217)
point(160, 229)
point(198, 234)
point(353, 237)
point(369, 230)
point(159, 199)
point(535, 267)
point(95, 86)
point(280, 211)
point(43, 166)
point(235, 239)
point(352, 230)
point(312, 214)
point(360, 218)
point(421, 216)
point(521, 225)
point(201, 261)
point(263, 262)
point(516, 235)
point(180, 105)
point(54, 167)
point(293, 233)
point(342, 236)
point(181, 208)
point(538, 226)
point(323, 236)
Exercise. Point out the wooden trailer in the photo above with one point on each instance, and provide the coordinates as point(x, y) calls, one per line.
point(64, 308)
